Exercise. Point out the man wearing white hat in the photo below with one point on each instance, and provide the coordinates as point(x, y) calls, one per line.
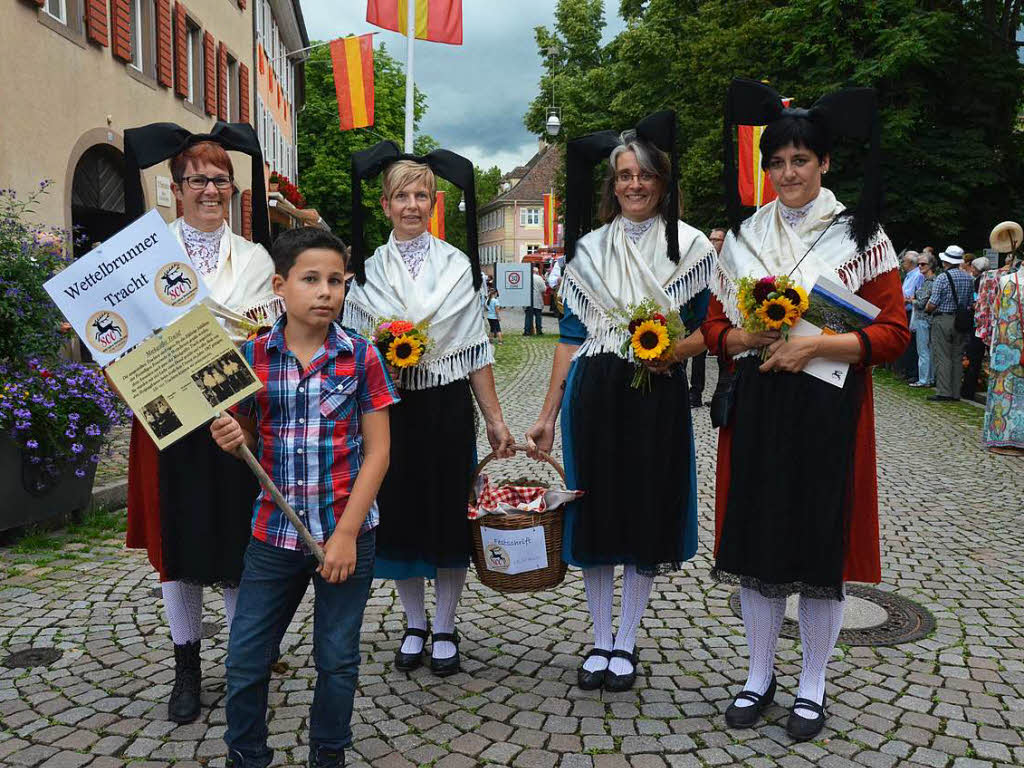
point(953, 290)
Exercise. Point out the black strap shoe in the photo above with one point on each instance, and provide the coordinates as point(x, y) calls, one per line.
point(805, 728)
point(451, 665)
point(407, 662)
point(591, 681)
point(618, 683)
point(747, 717)
point(183, 705)
point(323, 757)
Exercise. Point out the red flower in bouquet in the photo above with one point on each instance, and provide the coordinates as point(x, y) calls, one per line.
point(763, 288)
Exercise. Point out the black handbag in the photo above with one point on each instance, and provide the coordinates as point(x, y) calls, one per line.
point(963, 317)
point(724, 397)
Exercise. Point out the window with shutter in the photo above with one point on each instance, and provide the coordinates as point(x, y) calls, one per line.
point(96, 21)
point(243, 93)
point(222, 82)
point(210, 73)
point(182, 67)
point(123, 27)
point(164, 56)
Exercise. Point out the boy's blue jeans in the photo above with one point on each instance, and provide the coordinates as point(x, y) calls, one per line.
point(273, 583)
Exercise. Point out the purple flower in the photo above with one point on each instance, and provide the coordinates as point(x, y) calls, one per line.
point(92, 430)
point(79, 472)
point(73, 417)
point(77, 447)
point(70, 432)
point(95, 458)
point(32, 444)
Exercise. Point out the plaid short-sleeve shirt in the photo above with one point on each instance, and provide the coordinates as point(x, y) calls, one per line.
point(308, 427)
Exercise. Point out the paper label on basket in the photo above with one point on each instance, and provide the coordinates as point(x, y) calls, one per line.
point(514, 552)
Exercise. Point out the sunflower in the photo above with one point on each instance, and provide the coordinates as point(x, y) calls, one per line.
point(404, 351)
point(650, 340)
point(777, 312)
point(797, 297)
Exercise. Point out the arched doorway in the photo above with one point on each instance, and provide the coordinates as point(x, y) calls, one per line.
point(97, 196)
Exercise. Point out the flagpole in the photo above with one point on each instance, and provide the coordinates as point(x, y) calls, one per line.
point(410, 31)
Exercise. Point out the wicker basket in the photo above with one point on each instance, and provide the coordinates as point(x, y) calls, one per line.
point(529, 581)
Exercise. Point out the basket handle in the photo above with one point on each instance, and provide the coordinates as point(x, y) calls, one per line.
point(524, 448)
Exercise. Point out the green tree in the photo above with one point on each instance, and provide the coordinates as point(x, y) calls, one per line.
point(947, 75)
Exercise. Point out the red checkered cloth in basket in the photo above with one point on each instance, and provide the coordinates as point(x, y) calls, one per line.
point(512, 499)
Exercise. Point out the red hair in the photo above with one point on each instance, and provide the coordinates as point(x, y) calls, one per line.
point(203, 151)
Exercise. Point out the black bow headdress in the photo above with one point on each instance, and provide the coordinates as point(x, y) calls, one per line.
point(584, 153)
point(851, 112)
point(156, 142)
point(371, 162)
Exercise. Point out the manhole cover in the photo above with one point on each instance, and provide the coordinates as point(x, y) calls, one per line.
point(32, 657)
point(871, 617)
point(210, 629)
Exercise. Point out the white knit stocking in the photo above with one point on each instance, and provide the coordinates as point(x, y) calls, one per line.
point(448, 586)
point(410, 592)
point(230, 601)
point(820, 622)
point(599, 582)
point(762, 618)
point(184, 605)
point(636, 591)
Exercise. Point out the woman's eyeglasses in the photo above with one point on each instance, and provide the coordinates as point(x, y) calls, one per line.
point(644, 177)
point(198, 181)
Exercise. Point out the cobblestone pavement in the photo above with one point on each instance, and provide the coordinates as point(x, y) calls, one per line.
point(952, 540)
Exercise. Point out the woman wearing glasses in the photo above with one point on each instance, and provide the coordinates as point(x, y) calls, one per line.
point(921, 321)
point(630, 449)
point(189, 505)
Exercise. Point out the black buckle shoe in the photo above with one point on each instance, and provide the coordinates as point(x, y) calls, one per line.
point(747, 717)
point(449, 666)
point(407, 662)
point(184, 704)
point(323, 757)
point(618, 683)
point(805, 728)
point(591, 681)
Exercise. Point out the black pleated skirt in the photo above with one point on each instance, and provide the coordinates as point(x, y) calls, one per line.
point(787, 518)
point(422, 501)
point(631, 452)
point(206, 505)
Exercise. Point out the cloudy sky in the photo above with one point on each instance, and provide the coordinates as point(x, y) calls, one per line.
point(477, 92)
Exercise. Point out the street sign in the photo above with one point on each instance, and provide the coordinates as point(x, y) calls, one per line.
point(513, 282)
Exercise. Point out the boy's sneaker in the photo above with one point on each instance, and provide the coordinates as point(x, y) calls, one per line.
point(324, 757)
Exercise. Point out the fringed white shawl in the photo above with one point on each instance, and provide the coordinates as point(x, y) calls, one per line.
point(442, 295)
point(241, 296)
point(609, 273)
point(767, 245)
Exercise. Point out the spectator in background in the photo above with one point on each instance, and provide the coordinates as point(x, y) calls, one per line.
point(494, 316)
point(906, 365)
point(921, 321)
point(534, 312)
point(698, 372)
point(953, 289)
point(975, 346)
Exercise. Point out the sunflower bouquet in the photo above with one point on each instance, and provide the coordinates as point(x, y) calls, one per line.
point(651, 336)
point(401, 342)
point(771, 303)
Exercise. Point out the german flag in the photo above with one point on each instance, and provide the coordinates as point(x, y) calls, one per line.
point(352, 59)
point(439, 21)
point(550, 219)
point(755, 187)
point(436, 226)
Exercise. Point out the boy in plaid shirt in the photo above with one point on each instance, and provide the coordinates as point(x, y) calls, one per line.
point(320, 429)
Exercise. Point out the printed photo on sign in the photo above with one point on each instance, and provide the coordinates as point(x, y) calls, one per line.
point(160, 417)
point(108, 333)
point(176, 284)
point(182, 376)
point(223, 378)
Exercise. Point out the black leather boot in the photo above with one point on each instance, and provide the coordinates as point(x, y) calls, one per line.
point(183, 706)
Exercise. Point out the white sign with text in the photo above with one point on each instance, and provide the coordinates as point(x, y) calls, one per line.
point(513, 281)
point(120, 292)
point(514, 552)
